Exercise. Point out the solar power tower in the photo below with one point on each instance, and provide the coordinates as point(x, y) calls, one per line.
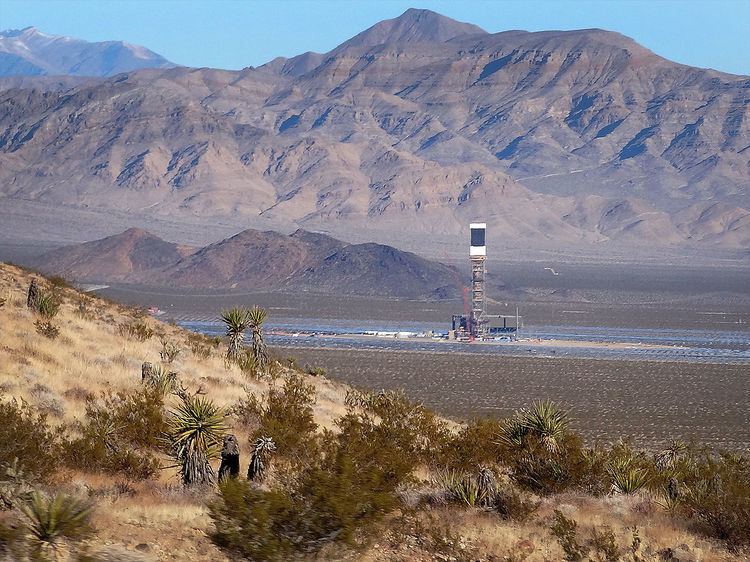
point(477, 255)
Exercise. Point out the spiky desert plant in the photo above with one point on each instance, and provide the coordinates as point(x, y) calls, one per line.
point(257, 316)
point(548, 422)
point(237, 321)
point(627, 477)
point(262, 449)
point(667, 458)
point(196, 431)
point(49, 521)
point(47, 304)
point(544, 420)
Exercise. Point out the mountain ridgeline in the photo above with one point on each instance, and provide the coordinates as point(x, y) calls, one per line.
point(29, 52)
point(256, 260)
point(419, 124)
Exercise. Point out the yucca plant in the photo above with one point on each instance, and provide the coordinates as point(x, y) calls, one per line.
point(196, 431)
point(667, 458)
point(47, 304)
point(262, 449)
point(544, 420)
point(237, 321)
point(257, 316)
point(50, 521)
point(669, 496)
point(548, 422)
point(627, 477)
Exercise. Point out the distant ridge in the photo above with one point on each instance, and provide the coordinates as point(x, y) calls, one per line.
point(583, 140)
point(255, 260)
point(30, 52)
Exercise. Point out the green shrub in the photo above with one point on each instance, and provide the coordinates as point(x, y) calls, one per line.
point(315, 371)
point(49, 521)
point(285, 415)
point(565, 530)
point(25, 436)
point(48, 304)
point(253, 523)
point(543, 454)
point(601, 544)
point(59, 282)
point(119, 434)
point(475, 445)
point(716, 494)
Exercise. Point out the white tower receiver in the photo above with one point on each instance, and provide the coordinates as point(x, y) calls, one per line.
point(477, 255)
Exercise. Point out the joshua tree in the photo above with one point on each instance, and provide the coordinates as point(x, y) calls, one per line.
point(262, 450)
point(230, 458)
point(32, 298)
point(257, 316)
point(237, 321)
point(49, 521)
point(196, 429)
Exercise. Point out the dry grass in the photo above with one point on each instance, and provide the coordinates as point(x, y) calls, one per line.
point(158, 520)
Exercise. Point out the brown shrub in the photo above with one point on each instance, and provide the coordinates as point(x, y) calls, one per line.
point(25, 435)
point(119, 434)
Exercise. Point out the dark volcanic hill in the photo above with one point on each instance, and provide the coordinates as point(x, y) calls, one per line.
point(255, 260)
point(410, 130)
point(128, 256)
point(378, 270)
point(250, 259)
point(29, 52)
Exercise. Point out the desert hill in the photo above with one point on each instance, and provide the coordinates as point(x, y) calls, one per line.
point(29, 52)
point(83, 389)
point(260, 260)
point(128, 255)
point(419, 124)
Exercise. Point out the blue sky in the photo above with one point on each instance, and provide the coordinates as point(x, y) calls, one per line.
point(237, 33)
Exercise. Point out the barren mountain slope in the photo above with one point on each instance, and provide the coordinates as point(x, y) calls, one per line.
point(249, 260)
point(255, 260)
point(123, 257)
point(568, 137)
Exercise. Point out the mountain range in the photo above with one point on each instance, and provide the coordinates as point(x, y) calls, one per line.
point(405, 132)
point(29, 52)
point(255, 260)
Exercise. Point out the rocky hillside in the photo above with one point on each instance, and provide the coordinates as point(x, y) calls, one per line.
point(81, 422)
point(259, 260)
point(129, 255)
point(29, 52)
point(419, 124)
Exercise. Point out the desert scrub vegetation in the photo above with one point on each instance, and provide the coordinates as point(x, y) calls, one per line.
point(311, 468)
point(139, 331)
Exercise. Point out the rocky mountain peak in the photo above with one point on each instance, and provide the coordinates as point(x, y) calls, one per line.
point(413, 26)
